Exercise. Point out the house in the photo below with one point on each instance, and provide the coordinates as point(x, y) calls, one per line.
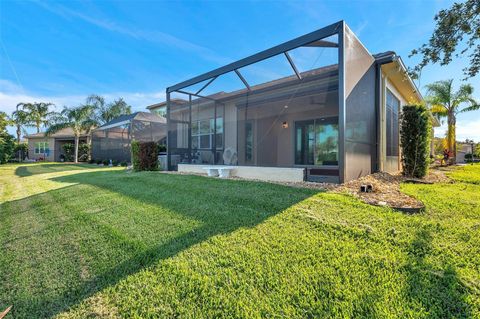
point(333, 122)
point(161, 108)
point(50, 148)
point(112, 140)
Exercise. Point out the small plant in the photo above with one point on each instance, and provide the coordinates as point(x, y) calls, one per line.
point(123, 164)
point(415, 130)
point(162, 148)
point(99, 162)
point(105, 162)
point(92, 161)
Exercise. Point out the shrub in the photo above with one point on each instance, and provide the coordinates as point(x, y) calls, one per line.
point(162, 148)
point(415, 130)
point(105, 162)
point(144, 156)
point(83, 152)
point(92, 161)
point(99, 162)
point(7, 147)
point(135, 149)
point(68, 151)
point(124, 164)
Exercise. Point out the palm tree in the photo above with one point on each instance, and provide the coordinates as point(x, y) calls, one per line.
point(80, 119)
point(446, 103)
point(38, 113)
point(107, 112)
point(20, 118)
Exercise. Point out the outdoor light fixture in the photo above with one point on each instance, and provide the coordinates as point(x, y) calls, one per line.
point(285, 124)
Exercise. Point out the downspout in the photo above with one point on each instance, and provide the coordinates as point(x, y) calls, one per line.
point(378, 112)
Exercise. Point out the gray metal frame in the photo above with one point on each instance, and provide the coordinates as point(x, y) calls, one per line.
point(315, 39)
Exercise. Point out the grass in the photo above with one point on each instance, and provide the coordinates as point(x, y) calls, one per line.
point(80, 242)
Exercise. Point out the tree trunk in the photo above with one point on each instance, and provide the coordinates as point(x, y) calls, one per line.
point(19, 132)
point(77, 140)
point(451, 138)
point(38, 128)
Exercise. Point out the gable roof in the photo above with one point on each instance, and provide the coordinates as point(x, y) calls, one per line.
point(63, 133)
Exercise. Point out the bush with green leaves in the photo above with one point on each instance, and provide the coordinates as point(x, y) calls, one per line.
point(144, 156)
point(415, 134)
point(7, 147)
point(68, 151)
point(83, 152)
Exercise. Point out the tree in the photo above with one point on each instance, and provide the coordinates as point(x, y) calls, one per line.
point(4, 121)
point(447, 103)
point(456, 26)
point(80, 119)
point(105, 112)
point(7, 146)
point(38, 114)
point(19, 118)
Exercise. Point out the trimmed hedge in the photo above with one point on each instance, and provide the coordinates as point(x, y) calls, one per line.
point(415, 134)
point(144, 156)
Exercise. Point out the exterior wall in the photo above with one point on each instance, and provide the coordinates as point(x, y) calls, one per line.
point(275, 174)
point(360, 113)
point(390, 164)
point(31, 149)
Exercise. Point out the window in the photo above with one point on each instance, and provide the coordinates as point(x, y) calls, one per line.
point(41, 148)
point(203, 132)
point(393, 108)
point(317, 142)
point(161, 111)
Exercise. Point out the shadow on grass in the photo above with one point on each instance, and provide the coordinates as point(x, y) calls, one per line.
point(125, 222)
point(35, 168)
point(438, 290)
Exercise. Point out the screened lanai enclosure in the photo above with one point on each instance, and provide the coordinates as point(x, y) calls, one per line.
point(112, 140)
point(307, 105)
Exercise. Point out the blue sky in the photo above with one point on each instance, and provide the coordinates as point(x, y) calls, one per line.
point(62, 51)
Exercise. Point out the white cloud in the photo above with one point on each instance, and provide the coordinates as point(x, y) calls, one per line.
point(464, 129)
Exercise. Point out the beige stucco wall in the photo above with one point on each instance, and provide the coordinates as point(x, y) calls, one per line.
point(31, 148)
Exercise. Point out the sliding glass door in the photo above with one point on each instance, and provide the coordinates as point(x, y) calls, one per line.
point(316, 142)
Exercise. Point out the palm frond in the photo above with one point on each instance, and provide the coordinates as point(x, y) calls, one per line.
point(473, 107)
point(439, 109)
point(440, 92)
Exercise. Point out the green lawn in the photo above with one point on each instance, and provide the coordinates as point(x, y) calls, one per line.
point(84, 242)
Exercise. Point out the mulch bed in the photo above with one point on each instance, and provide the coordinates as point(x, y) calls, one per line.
point(386, 190)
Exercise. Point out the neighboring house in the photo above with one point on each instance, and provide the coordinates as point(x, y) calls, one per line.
point(49, 148)
point(161, 108)
point(462, 150)
point(112, 140)
point(333, 123)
